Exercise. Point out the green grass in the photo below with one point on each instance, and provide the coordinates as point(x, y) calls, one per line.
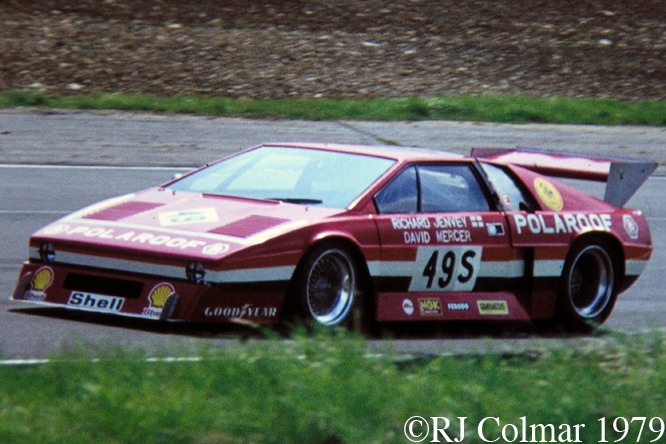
point(507, 109)
point(327, 389)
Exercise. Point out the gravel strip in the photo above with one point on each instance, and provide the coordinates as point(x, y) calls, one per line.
point(337, 48)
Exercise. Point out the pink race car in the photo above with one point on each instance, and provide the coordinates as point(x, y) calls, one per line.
point(344, 234)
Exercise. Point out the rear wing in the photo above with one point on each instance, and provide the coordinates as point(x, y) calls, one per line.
point(623, 177)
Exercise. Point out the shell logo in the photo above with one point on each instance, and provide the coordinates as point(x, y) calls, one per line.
point(159, 294)
point(41, 279)
point(548, 194)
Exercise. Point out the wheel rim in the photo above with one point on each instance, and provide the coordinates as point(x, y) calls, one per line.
point(331, 287)
point(591, 281)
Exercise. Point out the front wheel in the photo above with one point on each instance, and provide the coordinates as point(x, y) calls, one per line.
point(326, 285)
point(588, 287)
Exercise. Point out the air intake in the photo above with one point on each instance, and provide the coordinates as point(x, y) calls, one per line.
point(249, 226)
point(122, 210)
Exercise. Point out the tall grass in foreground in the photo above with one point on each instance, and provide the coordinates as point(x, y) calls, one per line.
point(508, 109)
point(326, 389)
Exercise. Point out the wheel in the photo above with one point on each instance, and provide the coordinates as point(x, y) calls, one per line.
point(326, 285)
point(588, 287)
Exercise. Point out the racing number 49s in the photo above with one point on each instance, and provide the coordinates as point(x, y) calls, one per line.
point(340, 233)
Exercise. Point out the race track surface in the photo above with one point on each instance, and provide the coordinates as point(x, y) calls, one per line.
point(32, 196)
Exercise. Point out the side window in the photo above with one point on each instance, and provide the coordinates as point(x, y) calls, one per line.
point(400, 195)
point(510, 195)
point(450, 188)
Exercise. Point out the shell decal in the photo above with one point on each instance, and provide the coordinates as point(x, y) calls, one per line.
point(159, 294)
point(548, 194)
point(41, 279)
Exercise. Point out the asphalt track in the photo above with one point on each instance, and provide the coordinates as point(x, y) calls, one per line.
point(32, 196)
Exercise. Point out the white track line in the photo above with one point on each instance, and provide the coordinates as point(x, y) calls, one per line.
point(168, 360)
point(94, 167)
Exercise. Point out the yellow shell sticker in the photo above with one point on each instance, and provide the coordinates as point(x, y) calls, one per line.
point(548, 194)
point(159, 294)
point(42, 279)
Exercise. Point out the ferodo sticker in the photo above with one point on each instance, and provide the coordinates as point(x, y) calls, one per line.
point(493, 307)
point(548, 194)
point(446, 268)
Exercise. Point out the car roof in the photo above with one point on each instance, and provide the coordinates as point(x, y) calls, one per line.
point(399, 153)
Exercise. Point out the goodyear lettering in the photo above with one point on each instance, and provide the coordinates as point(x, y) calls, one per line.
point(417, 237)
point(247, 310)
point(448, 236)
point(565, 223)
point(450, 222)
point(410, 223)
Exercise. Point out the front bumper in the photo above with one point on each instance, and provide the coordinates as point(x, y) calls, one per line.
point(143, 296)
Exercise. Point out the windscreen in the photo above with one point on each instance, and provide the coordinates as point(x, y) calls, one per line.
point(304, 176)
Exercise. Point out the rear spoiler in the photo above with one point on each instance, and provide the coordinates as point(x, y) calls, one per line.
point(623, 177)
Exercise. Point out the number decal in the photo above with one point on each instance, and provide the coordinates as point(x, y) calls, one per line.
point(448, 265)
point(196, 216)
point(446, 269)
point(431, 268)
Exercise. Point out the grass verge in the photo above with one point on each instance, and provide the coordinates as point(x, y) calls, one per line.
point(506, 109)
point(327, 389)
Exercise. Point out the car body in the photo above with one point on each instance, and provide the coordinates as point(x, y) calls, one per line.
point(335, 233)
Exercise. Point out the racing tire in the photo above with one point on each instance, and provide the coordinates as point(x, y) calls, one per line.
point(326, 286)
point(588, 287)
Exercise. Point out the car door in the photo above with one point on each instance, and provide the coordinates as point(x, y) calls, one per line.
point(543, 235)
point(445, 247)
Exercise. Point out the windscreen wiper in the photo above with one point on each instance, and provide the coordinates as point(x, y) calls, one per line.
point(297, 200)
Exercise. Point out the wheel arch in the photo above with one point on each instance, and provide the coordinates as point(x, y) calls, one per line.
point(609, 240)
point(352, 246)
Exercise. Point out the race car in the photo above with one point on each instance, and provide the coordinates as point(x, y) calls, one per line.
point(346, 234)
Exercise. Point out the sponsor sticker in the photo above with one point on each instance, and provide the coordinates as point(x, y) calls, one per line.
point(430, 307)
point(495, 229)
point(506, 200)
point(408, 307)
point(215, 249)
point(96, 302)
point(40, 281)
point(156, 299)
point(562, 223)
point(493, 307)
point(630, 226)
point(197, 216)
point(246, 311)
point(457, 306)
point(548, 194)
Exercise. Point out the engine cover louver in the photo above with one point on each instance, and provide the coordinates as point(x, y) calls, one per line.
point(121, 211)
point(249, 226)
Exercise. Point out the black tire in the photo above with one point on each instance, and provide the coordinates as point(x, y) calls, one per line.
point(326, 287)
point(588, 287)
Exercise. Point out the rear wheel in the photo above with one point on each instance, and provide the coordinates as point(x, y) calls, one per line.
point(588, 287)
